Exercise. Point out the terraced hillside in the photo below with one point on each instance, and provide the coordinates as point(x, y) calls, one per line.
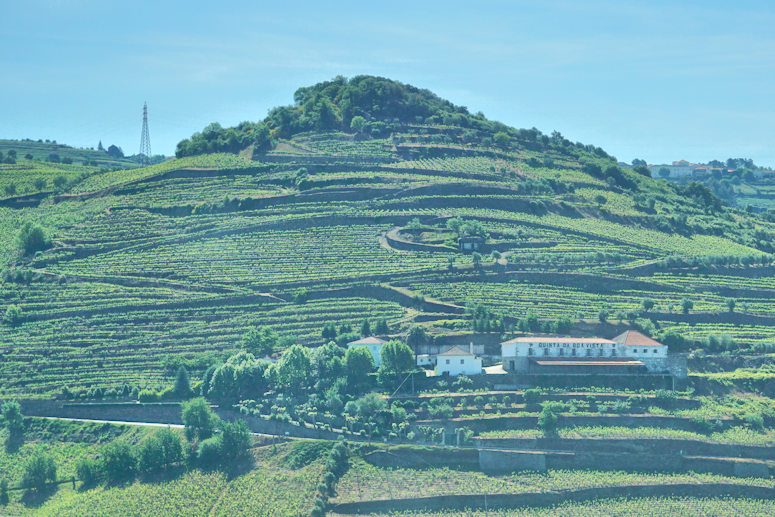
point(152, 267)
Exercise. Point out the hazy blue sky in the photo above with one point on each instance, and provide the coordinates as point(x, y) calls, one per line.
point(655, 80)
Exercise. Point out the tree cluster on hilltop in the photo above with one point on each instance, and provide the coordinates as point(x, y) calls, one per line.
point(370, 107)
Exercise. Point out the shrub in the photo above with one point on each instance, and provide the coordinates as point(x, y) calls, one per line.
point(235, 441)
point(88, 471)
point(754, 421)
point(547, 420)
point(199, 419)
point(118, 461)
point(665, 398)
point(13, 419)
point(38, 471)
point(150, 455)
point(13, 315)
point(32, 237)
point(148, 396)
point(532, 396)
point(3, 492)
point(209, 452)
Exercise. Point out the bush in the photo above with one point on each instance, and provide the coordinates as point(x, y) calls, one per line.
point(171, 446)
point(39, 471)
point(3, 492)
point(150, 455)
point(199, 419)
point(209, 452)
point(754, 421)
point(547, 420)
point(182, 383)
point(148, 396)
point(118, 461)
point(87, 470)
point(32, 237)
point(532, 396)
point(13, 315)
point(12, 418)
point(235, 441)
point(665, 398)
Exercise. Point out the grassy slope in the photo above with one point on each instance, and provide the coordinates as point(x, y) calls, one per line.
point(170, 266)
point(41, 150)
point(271, 488)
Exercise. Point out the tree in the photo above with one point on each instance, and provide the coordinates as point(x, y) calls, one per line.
point(199, 420)
point(329, 331)
point(32, 237)
point(381, 327)
point(359, 363)
point(13, 419)
point(602, 315)
point(99, 146)
point(118, 461)
point(150, 455)
point(600, 199)
point(416, 338)
point(365, 328)
point(13, 315)
point(241, 377)
point(60, 181)
point(292, 371)
point(501, 139)
point(171, 446)
point(53, 157)
point(547, 419)
point(731, 302)
point(260, 341)
point(647, 304)
point(476, 257)
point(454, 224)
point(39, 470)
point(235, 441)
point(357, 123)
point(40, 183)
point(370, 404)
point(28, 156)
point(115, 152)
point(396, 359)
point(686, 305)
point(182, 382)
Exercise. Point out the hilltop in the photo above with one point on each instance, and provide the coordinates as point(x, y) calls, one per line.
point(348, 205)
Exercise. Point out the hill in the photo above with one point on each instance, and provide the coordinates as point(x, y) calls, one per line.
point(51, 151)
point(348, 205)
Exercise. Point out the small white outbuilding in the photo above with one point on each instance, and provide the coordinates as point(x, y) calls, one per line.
point(457, 361)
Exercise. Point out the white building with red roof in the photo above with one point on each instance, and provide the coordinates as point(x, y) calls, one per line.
point(630, 352)
point(457, 361)
point(373, 344)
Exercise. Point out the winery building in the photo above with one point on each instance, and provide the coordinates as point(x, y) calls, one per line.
point(628, 353)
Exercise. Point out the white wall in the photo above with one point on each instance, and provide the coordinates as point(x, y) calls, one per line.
point(458, 365)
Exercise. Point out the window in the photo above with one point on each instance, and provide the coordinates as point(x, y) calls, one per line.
point(573, 351)
point(529, 351)
point(546, 351)
point(655, 350)
point(562, 351)
point(447, 361)
point(589, 352)
point(462, 361)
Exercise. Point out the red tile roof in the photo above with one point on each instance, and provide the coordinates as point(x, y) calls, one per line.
point(635, 338)
point(456, 350)
point(371, 340)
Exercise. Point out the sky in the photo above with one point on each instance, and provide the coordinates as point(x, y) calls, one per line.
point(654, 80)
